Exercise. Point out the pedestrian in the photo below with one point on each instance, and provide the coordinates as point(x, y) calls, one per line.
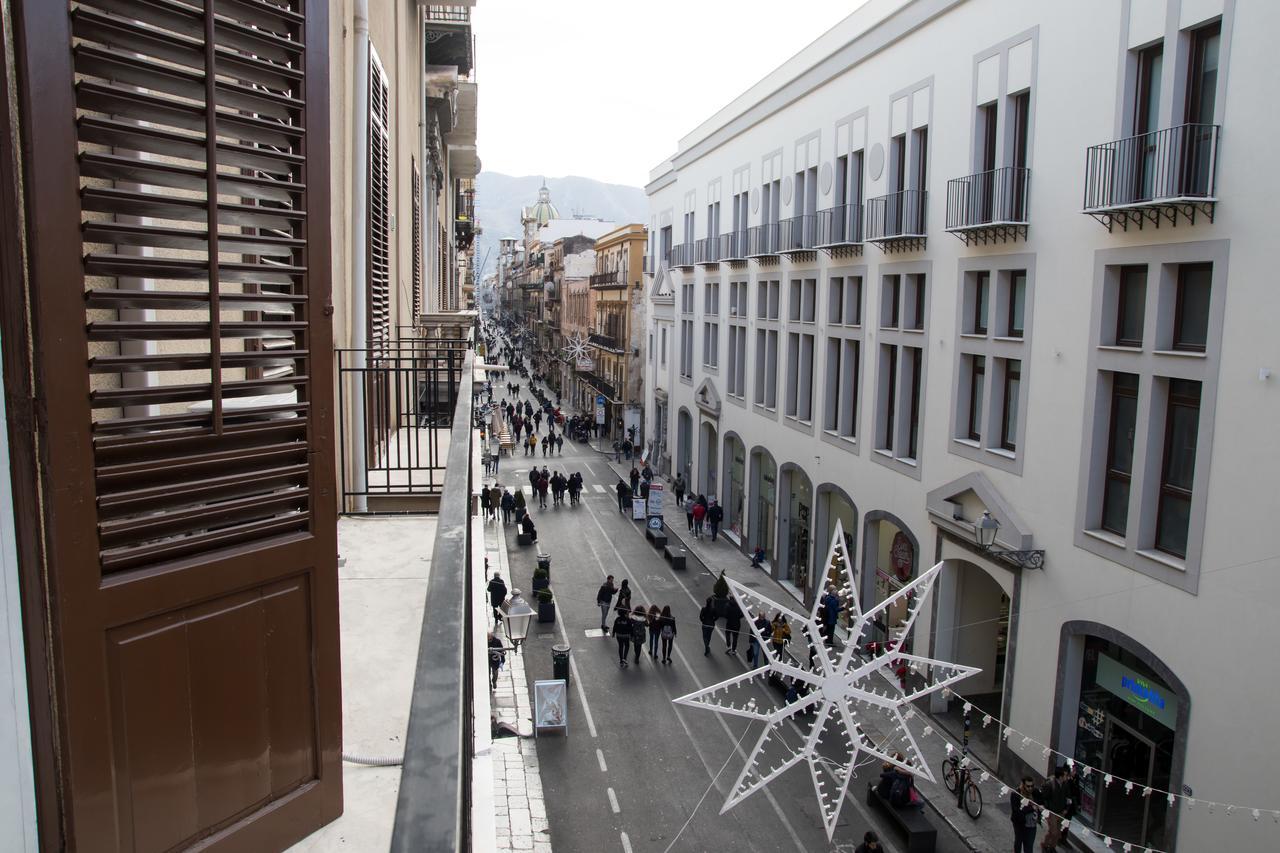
point(1054, 793)
point(870, 844)
point(757, 557)
point(646, 472)
point(518, 506)
point(603, 597)
point(526, 527)
point(534, 473)
point(508, 504)
point(732, 627)
point(484, 501)
point(1025, 816)
point(707, 616)
point(639, 629)
point(624, 496)
point(495, 500)
point(688, 514)
point(543, 485)
point(652, 623)
point(699, 513)
point(559, 444)
point(546, 446)
point(715, 515)
point(780, 634)
point(761, 623)
point(634, 476)
point(667, 627)
point(679, 488)
point(617, 451)
point(532, 445)
point(830, 610)
point(624, 597)
point(497, 595)
point(622, 633)
point(497, 654)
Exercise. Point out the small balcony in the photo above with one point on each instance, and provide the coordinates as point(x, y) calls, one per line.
point(607, 280)
point(989, 207)
point(798, 235)
point(733, 247)
point(762, 241)
point(1153, 177)
point(682, 256)
point(707, 252)
point(896, 222)
point(607, 342)
point(448, 37)
point(840, 230)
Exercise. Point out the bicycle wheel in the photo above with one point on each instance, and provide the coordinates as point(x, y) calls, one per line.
point(949, 774)
point(973, 800)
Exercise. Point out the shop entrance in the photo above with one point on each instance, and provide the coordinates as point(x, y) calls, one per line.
point(1130, 756)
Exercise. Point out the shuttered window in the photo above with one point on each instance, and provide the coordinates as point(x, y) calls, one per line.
point(417, 243)
point(379, 250)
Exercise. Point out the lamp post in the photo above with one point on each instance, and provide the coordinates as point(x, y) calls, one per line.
point(984, 532)
point(517, 618)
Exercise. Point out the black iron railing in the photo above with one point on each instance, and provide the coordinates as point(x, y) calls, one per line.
point(733, 246)
point(606, 279)
point(598, 383)
point(840, 225)
point(433, 808)
point(798, 233)
point(762, 240)
point(707, 250)
point(682, 255)
point(900, 214)
point(1163, 165)
point(607, 341)
point(997, 196)
point(448, 14)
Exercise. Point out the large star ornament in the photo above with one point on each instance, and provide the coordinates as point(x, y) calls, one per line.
point(576, 348)
point(842, 685)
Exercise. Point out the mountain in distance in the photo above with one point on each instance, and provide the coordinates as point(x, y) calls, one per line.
point(499, 198)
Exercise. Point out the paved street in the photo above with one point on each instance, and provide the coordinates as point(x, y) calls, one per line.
point(635, 766)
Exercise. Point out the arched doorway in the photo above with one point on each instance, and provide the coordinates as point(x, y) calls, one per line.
point(890, 559)
point(735, 492)
point(796, 568)
point(684, 445)
point(762, 516)
point(708, 450)
point(831, 505)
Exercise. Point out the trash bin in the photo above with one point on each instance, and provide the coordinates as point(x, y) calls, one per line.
point(560, 663)
point(544, 563)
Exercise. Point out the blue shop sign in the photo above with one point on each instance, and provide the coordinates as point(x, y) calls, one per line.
point(1150, 697)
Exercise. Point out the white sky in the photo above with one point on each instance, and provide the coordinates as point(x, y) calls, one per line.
point(605, 88)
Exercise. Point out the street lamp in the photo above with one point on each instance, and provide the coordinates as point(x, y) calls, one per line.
point(984, 531)
point(517, 619)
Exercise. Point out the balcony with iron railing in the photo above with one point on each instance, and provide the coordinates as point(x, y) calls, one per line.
point(840, 229)
point(607, 342)
point(707, 252)
point(733, 247)
point(896, 222)
point(798, 235)
point(447, 32)
point(1154, 176)
point(682, 256)
point(990, 206)
point(762, 240)
point(607, 280)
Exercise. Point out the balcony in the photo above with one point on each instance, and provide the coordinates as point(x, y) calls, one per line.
point(448, 37)
point(989, 207)
point(733, 247)
point(682, 256)
point(1153, 177)
point(840, 230)
point(599, 384)
point(896, 222)
point(607, 280)
point(607, 342)
point(762, 241)
point(798, 235)
point(707, 252)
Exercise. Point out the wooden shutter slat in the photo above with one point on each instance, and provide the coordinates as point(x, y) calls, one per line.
point(121, 559)
point(219, 513)
point(117, 298)
point(189, 239)
point(137, 501)
point(177, 330)
point(153, 205)
point(119, 168)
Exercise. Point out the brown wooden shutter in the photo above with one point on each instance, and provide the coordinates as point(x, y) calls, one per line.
point(176, 171)
point(379, 276)
point(417, 243)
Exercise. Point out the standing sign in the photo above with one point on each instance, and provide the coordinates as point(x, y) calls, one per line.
point(600, 409)
point(655, 498)
point(550, 705)
point(637, 509)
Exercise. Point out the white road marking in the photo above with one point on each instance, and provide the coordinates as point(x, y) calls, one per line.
point(599, 488)
point(626, 843)
point(600, 758)
point(613, 802)
point(576, 677)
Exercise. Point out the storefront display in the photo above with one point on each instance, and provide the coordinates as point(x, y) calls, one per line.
point(734, 504)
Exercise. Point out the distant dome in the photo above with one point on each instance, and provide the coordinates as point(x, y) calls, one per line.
point(543, 211)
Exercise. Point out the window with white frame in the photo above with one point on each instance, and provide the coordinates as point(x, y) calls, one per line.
point(766, 350)
point(686, 330)
point(662, 333)
point(737, 355)
point(843, 361)
point(711, 324)
point(900, 366)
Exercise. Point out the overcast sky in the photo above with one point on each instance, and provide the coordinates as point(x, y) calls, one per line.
point(605, 89)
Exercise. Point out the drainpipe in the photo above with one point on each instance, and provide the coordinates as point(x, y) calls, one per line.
point(359, 253)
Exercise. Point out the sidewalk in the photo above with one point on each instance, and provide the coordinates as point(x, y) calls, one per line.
point(992, 831)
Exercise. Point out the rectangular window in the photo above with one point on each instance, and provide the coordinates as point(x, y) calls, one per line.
point(977, 380)
point(888, 395)
point(1009, 406)
point(853, 300)
point(775, 292)
point(1120, 436)
point(835, 300)
point(793, 303)
point(799, 376)
point(831, 417)
point(916, 356)
point(850, 365)
point(981, 291)
point(916, 301)
point(809, 301)
point(1017, 303)
point(1202, 74)
point(1181, 431)
point(762, 300)
point(1131, 306)
point(891, 298)
point(710, 344)
point(664, 346)
point(767, 368)
point(1191, 308)
point(1146, 101)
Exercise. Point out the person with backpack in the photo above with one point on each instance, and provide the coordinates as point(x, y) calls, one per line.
point(732, 627)
point(497, 655)
point(639, 628)
point(903, 795)
point(624, 596)
point(715, 515)
point(870, 844)
point(707, 616)
point(603, 597)
point(651, 620)
point(1025, 815)
point(622, 633)
point(508, 504)
point(667, 628)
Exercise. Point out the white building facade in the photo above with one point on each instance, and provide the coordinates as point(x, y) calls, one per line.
point(966, 256)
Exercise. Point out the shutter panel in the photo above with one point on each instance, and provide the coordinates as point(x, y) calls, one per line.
point(417, 243)
point(176, 165)
point(379, 276)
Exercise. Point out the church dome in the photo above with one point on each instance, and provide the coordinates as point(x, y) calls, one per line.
point(543, 211)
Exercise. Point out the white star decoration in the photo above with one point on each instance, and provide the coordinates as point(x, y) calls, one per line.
point(841, 685)
point(577, 348)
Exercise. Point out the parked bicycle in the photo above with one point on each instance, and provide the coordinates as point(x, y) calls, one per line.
point(956, 776)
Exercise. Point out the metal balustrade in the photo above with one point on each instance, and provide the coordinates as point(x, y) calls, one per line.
point(840, 226)
point(899, 216)
point(1164, 172)
point(798, 234)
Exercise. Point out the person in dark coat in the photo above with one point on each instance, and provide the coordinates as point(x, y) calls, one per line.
point(622, 633)
point(753, 645)
point(870, 844)
point(652, 618)
point(667, 632)
point(707, 616)
point(732, 626)
point(639, 630)
point(624, 597)
point(497, 654)
point(830, 610)
point(497, 595)
point(624, 496)
point(508, 504)
point(715, 515)
point(518, 506)
point(603, 597)
point(635, 480)
point(526, 526)
point(484, 502)
point(542, 487)
point(679, 488)
point(1025, 816)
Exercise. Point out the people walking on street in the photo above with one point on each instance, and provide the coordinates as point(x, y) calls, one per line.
point(497, 595)
point(558, 487)
point(639, 630)
point(732, 626)
point(634, 476)
point(560, 445)
point(507, 503)
point(753, 646)
point(653, 616)
point(679, 488)
point(1055, 800)
point(622, 633)
point(699, 513)
point(543, 485)
point(830, 611)
point(518, 506)
point(667, 628)
point(575, 487)
point(624, 596)
point(715, 515)
point(688, 513)
point(707, 616)
point(495, 500)
point(780, 633)
point(484, 502)
point(1025, 816)
point(603, 597)
point(497, 654)
point(870, 844)
point(624, 496)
